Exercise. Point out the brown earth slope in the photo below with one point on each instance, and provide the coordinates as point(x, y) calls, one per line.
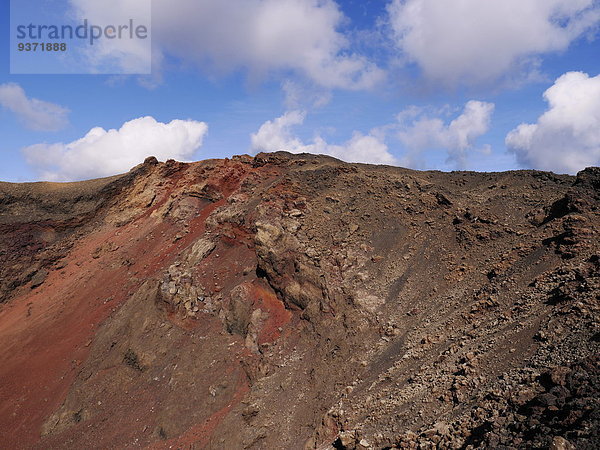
point(296, 301)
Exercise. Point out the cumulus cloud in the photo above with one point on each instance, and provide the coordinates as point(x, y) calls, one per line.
point(259, 36)
point(419, 131)
point(102, 153)
point(275, 135)
point(35, 114)
point(455, 41)
point(566, 138)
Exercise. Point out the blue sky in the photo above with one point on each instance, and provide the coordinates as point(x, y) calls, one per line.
point(402, 82)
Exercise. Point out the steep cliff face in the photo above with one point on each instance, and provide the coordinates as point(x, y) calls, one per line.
point(296, 301)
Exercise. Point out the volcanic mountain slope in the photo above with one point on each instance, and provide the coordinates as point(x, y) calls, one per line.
point(296, 301)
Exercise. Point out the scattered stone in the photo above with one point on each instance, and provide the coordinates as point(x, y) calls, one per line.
point(39, 278)
point(560, 443)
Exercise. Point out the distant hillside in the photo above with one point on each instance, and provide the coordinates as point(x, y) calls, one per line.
point(296, 301)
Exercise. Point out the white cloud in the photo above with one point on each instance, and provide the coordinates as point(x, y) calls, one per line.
point(418, 129)
point(275, 135)
point(566, 138)
point(33, 113)
point(102, 153)
point(120, 56)
point(304, 95)
point(455, 41)
point(419, 132)
point(259, 36)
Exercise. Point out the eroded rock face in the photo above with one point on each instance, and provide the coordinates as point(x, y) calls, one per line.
point(295, 301)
